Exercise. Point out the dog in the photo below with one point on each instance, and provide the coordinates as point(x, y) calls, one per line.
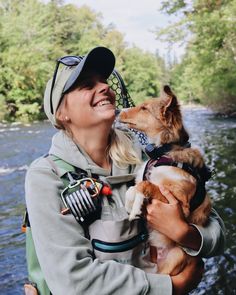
point(161, 120)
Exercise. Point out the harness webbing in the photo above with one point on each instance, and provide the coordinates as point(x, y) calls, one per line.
point(155, 152)
point(200, 174)
point(66, 168)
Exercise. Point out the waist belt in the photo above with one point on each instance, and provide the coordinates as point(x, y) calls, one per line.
point(119, 246)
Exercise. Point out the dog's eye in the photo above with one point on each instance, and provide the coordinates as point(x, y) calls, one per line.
point(143, 108)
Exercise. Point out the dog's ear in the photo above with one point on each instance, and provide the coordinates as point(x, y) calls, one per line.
point(167, 90)
point(172, 102)
point(171, 116)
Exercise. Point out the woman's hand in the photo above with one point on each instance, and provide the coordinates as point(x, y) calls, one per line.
point(168, 219)
point(189, 278)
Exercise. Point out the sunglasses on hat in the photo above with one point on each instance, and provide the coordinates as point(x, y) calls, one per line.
point(70, 61)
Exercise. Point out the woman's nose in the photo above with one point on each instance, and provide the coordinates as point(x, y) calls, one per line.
point(102, 87)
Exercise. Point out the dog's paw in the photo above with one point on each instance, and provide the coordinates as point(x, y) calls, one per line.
point(197, 162)
point(188, 155)
point(133, 203)
point(136, 210)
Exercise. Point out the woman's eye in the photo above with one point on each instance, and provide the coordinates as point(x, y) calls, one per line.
point(143, 108)
point(86, 85)
point(91, 83)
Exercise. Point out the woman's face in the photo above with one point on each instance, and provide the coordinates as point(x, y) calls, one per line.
point(91, 103)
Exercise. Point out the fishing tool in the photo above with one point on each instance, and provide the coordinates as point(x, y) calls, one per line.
point(82, 198)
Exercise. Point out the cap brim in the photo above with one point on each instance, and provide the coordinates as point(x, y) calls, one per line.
point(100, 59)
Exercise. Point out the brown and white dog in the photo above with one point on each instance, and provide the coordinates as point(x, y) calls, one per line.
point(161, 120)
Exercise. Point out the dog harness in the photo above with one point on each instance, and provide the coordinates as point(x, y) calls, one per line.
point(158, 157)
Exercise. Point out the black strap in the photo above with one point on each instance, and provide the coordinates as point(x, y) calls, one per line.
point(200, 174)
point(155, 152)
point(198, 197)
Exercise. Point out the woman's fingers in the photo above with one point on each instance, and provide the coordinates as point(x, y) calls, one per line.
point(168, 195)
point(167, 218)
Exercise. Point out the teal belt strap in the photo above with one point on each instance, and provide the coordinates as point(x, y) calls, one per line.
point(120, 246)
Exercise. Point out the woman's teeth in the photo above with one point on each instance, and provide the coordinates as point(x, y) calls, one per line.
point(102, 103)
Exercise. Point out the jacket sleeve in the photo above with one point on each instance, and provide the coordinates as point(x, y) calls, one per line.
point(66, 256)
point(212, 235)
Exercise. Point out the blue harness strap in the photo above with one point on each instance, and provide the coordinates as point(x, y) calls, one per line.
point(120, 246)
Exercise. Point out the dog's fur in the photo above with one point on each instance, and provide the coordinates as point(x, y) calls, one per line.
point(161, 120)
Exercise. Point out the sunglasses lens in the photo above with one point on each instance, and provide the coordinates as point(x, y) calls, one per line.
point(67, 61)
point(70, 60)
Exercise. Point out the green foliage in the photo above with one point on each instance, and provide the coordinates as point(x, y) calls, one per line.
point(173, 6)
point(23, 58)
point(33, 34)
point(142, 74)
point(3, 108)
point(207, 72)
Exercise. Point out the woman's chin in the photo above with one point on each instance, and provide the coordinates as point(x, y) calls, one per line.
point(105, 113)
point(108, 114)
point(110, 119)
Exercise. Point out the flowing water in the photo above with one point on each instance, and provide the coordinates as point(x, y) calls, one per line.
point(19, 145)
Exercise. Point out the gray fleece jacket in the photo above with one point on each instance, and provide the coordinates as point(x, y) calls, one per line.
point(66, 256)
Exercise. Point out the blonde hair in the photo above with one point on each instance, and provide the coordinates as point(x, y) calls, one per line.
point(121, 148)
point(61, 125)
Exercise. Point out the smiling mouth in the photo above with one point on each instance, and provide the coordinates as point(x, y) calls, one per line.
point(103, 103)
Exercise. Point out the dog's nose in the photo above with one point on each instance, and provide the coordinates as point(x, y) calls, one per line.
point(121, 113)
point(117, 112)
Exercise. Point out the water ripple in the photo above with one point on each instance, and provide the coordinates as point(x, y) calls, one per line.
point(9, 170)
point(20, 145)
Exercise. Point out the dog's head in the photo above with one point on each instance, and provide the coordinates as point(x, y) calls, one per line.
point(159, 118)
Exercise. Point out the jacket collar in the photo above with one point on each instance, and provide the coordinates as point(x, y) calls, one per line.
point(65, 148)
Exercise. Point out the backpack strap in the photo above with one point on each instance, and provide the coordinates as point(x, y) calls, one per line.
point(61, 168)
point(59, 163)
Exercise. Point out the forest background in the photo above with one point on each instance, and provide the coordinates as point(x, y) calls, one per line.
point(33, 34)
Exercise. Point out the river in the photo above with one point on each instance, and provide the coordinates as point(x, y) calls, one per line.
point(21, 144)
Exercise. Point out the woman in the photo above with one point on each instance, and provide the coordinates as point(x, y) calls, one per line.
point(79, 101)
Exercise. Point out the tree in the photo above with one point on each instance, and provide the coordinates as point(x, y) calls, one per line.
point(207, 72)
point(142, 74)
point(23, 57)
point(34, 34)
